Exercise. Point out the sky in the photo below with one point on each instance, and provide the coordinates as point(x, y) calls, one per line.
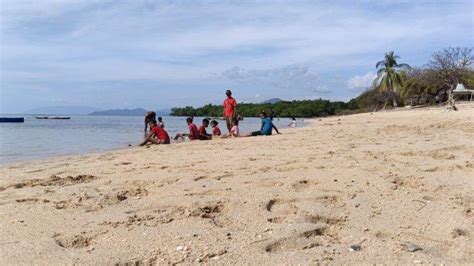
point(160, 54)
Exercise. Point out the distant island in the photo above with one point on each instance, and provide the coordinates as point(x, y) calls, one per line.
point(128, 112)
point(303, 108)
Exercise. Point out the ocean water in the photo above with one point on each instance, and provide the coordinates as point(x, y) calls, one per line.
point(39, 138)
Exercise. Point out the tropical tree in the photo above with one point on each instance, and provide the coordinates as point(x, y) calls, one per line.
point(389, 77)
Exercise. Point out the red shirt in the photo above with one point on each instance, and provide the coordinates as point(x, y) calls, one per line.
point(202, 130)
point(229, 106)
point(216, 131)
point(160, 133)
point(203, 133)
point(193, 132)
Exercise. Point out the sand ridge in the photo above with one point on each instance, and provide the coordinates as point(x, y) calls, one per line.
point(389, 187)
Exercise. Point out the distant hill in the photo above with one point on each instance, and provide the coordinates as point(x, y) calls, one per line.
point(129, 112)
point(273, 100)
point(121, 112)
point(163, 112)
point(62, 110)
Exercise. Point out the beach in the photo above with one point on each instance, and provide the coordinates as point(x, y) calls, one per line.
point(392, 187)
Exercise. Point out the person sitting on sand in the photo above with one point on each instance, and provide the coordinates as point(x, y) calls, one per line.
point(216, 131)
point(157, 135)
point(234, 131)
point(160, 122)
point(193, 131)
point(149, 116)
point(293, 122)
point(203, 135)
point(266, 128)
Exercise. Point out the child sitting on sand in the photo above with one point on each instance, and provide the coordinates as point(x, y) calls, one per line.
point(193, 131)
point(157, 135)
point(216, 131)
point(234, 130)
point(203, 135)
point(293, 122)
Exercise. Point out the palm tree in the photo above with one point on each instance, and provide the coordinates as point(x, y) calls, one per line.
point(389, 78)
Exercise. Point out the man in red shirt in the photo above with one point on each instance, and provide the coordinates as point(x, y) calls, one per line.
point(193, 131)
point(202, 130)
point(157, 135)
point(230, 106)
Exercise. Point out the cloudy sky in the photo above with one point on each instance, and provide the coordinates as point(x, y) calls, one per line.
point(159, 54)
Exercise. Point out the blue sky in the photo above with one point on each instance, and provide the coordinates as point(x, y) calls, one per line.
point(159, 54)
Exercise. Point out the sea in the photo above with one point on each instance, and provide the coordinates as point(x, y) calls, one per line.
point(43, 138)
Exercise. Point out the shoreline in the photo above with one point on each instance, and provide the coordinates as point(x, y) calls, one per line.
point(306, 122)
point(396, 184)
point(107, 150)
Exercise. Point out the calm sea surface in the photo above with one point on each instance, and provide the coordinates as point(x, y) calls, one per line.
point(37, 138)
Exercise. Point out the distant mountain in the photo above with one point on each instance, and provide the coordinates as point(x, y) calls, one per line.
point(273, 100)
point(129, 112)
point(121, 112)
point(62, 110)
point(163, 112)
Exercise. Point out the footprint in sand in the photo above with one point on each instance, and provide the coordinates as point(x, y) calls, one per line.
point(313, 219)
point(55, 180)
point(299, 241)
point(93, 200)
point(168, 214)
point(281, 206)
point(75, 241)
point(303, 185)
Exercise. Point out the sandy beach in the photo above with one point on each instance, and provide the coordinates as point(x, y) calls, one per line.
point(397, 186)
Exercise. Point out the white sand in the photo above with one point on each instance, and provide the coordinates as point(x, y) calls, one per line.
point(378, 180)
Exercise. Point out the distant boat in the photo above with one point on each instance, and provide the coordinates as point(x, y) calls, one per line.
point(59, 117)
point(12, 119)
point(53, 117)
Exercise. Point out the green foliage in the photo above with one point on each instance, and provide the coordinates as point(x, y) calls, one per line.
point(389, 75)
point(306, 108)
point(430, 84)
point(395, 84)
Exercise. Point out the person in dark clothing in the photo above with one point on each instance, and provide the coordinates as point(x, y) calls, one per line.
point(149, 116)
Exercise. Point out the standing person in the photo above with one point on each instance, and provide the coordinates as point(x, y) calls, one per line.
point(160, 122)
point(193, 131)
point(157, 135)
point(149, 116)
point(230, 106)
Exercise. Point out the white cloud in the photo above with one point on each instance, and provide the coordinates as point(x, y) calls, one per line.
point(273, 43)
point(359, 83)
point(297, 77)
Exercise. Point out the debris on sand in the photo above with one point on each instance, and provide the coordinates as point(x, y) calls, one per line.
point(410, 247)
point(355, 248)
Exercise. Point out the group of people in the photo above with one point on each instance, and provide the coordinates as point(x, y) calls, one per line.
point(158, 134)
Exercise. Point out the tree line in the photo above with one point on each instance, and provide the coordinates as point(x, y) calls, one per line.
point(304, 108)
point(396, 84)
